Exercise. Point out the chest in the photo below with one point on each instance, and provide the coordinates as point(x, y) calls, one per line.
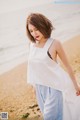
point(41, 54)
point(40, 57)
point(37, 54)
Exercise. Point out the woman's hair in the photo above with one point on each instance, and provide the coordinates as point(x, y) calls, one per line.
point(40, 22)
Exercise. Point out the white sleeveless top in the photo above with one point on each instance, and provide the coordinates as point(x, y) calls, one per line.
point(45, 71)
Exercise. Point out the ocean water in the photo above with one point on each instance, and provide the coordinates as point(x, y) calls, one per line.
point(14, 44)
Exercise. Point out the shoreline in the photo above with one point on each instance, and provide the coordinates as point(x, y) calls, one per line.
point(17, 98)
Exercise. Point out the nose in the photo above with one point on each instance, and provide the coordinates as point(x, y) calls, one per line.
point(34, 33)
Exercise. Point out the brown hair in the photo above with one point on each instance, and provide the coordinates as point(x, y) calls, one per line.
point(41, 23)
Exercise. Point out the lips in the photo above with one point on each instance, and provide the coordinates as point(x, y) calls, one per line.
point(37, 37)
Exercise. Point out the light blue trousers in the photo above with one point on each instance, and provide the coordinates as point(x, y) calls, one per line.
point(50, 102)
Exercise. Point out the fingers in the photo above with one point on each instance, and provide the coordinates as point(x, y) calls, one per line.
point(78, 93)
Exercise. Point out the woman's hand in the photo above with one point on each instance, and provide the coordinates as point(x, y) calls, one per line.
point(78, 91)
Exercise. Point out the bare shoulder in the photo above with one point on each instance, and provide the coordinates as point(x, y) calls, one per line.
point(57, 44)
point(59, 48)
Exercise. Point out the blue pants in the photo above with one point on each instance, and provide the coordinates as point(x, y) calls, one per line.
point(50, 102)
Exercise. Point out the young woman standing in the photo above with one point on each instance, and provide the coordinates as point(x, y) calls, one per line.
point(57, 91)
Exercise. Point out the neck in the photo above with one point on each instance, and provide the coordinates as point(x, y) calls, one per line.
point(41, 41)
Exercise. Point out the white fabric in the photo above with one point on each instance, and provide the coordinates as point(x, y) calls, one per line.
point(44, 71)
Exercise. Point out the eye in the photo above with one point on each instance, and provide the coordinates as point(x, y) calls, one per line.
point(36, 29)
point(30, 31)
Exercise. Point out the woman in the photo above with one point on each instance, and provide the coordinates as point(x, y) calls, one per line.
point(57, 91)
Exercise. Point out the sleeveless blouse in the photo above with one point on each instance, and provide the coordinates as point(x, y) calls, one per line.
point(43, 70)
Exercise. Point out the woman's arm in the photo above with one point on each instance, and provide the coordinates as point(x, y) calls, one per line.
point(61, 53)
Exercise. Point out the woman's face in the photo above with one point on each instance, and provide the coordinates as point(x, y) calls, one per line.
point(37, 35)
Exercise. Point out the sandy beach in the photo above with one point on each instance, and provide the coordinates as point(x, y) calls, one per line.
point(18, 98)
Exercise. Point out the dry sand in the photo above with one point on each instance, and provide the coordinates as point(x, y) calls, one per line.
point(17, 98)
